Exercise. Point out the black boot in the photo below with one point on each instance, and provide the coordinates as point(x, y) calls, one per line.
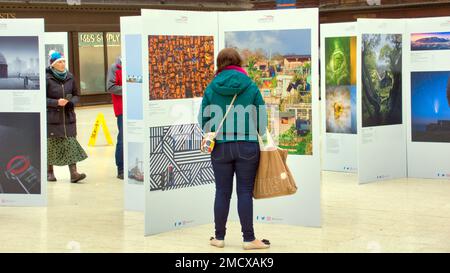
point(74, 175)
point(120, 174)
point(50, 175)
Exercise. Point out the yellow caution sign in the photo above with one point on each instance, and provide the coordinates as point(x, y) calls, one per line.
point(100, 121)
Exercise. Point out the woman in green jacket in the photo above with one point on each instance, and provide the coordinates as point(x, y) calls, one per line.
point(237, 149)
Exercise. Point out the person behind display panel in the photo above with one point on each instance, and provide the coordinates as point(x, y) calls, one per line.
point(237, 149)
point(62, 95)
point(114, 86)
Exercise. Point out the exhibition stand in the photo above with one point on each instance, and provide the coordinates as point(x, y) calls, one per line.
point(384, 112)
point(179, 181)
point(23, 129)
point(338, 97)
point(427, 52)
point(380, 100)
point(133, 117)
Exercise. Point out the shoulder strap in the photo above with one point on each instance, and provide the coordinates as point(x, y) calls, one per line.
point(226, 114)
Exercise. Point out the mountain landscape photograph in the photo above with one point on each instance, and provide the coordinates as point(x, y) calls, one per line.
point(430, 41)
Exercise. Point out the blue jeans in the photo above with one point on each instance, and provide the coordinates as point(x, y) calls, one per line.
point(119, 146)
point(227, 159)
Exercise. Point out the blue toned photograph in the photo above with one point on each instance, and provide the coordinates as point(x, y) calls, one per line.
point(133, 51)
point(271, 42)
point(134, 101)
point(430, 106)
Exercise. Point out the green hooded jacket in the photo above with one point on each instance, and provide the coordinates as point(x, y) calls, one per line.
point(247, 116)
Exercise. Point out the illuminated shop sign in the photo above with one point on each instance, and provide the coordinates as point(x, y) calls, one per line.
point(7, 15)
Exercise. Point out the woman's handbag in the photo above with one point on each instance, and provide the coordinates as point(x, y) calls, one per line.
point(209, 139)
point(273, 177)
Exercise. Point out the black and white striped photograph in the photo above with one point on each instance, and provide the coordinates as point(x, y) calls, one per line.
point(175, 158)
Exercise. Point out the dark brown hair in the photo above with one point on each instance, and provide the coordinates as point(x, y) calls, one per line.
point(226, 57)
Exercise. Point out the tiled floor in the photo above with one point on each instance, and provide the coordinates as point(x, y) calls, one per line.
point(406, 215)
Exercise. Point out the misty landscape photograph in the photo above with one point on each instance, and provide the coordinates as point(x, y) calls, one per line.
point(19, 63)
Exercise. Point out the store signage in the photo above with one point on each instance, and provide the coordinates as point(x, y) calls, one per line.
point(6, 15)
point(113, 38)
point(90, 39)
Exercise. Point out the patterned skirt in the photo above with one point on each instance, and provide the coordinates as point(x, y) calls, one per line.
point(63, 151)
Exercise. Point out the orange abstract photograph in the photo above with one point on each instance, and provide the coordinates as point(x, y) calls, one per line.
point(179, 66)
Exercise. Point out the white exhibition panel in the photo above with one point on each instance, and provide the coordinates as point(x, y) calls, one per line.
point(56, 41)
point(426, 98)
point(171, 209)
point(302, 208)
point(23, 113)
point(339, 151)
point(381, 149)
point(133, 108)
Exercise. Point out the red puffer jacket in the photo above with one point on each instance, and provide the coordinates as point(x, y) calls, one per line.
point(117, 99)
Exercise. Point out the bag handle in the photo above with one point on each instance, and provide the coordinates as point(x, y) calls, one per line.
point(226, 114)
point(270, 142)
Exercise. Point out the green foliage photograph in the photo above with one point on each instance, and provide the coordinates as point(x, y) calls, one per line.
point(381, 79)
